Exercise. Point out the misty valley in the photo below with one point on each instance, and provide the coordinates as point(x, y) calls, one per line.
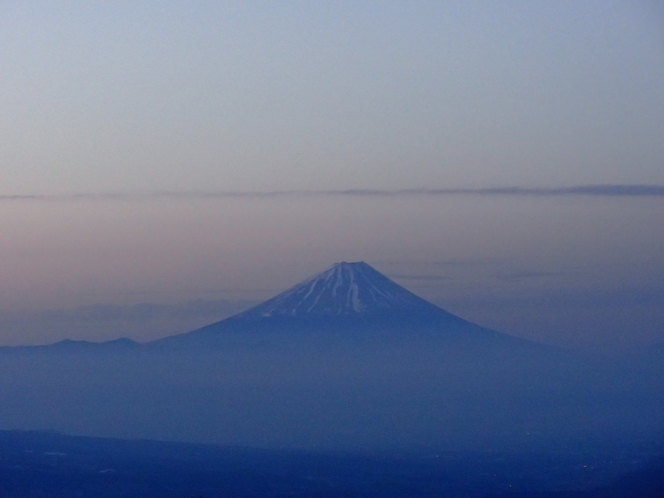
point(347, 384)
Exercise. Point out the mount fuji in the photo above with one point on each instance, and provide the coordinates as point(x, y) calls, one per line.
point(347, 298)
point(345, 289)
point(346, 359)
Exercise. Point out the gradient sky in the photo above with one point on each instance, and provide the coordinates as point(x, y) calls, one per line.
point(106, 106)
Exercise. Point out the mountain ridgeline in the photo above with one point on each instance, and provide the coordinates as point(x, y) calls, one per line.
point(348, 360)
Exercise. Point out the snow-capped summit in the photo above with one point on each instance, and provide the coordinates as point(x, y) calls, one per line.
point(345, 289)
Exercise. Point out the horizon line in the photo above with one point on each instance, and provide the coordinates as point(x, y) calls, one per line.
point(608, 190)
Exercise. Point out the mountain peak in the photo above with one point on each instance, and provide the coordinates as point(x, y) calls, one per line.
point(345, 289)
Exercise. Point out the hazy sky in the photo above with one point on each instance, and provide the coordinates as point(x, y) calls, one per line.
point(122, 101)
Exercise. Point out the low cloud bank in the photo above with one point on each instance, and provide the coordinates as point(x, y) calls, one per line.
point(578, 190)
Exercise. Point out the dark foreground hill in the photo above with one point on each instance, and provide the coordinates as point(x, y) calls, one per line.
point(39, 464)
point(347, 360)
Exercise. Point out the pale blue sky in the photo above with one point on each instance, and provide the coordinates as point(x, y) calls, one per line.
point(101, 96)
point(140, 97)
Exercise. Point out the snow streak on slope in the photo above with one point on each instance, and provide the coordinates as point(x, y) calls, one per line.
point(346, 289)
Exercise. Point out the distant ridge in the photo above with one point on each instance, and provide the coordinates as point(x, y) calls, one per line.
point(72, 346)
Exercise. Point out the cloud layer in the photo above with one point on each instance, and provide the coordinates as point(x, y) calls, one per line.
point(578, 190)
